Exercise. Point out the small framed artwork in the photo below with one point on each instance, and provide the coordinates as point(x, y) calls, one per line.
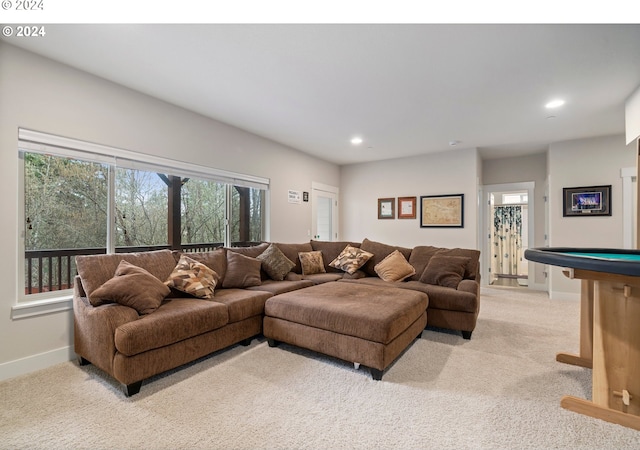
point(586, 201)
point(406, 207)
point(442, 211)
point(386, 208)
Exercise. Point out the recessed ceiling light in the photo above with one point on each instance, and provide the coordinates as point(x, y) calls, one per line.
point(554, 104)
point(453, 143)
point(356, 141)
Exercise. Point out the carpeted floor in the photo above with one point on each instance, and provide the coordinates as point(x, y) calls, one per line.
point(500, 390)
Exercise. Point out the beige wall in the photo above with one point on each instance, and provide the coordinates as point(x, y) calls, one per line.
point(451, 172)
point(42, 95)
point(586, 162)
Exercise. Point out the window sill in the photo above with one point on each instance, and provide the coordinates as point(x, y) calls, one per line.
point(24, 310)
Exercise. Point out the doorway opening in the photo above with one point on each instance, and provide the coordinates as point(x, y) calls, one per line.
point(509, 232)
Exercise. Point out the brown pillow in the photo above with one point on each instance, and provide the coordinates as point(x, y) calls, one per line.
point(312, 262)
point(394, 267)
point(242, 271)
point(275, 263)
point(193, 277)
point(445, 271)
point(351, 259)
point(131, 286)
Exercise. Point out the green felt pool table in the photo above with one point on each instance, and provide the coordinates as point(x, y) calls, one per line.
point(609, 328)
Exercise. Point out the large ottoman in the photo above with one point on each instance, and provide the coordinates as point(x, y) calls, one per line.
point(363, 324)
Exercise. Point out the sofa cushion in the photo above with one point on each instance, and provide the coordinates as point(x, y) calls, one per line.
point(445, 270)
point(291, 251)
point(311, 262)
point(95, 270)
point(175, 320)
point(193, 278)
point(445, 298)
point(275, 263)
point(242, 303)
point(242, 271)
point(331, 250)
point(131, 286)
point(215, 260)
point(419, 258)
point(394, 267)
point(319, 278)
point(279, 287)
point(380, 251)
point(351, 259)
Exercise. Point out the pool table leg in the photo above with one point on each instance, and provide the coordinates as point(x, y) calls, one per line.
point(585, 358)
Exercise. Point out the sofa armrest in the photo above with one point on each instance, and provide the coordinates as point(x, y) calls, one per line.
point(469, 286)
point(95, 327)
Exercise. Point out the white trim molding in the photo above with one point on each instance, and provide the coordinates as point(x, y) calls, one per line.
point(32, 363)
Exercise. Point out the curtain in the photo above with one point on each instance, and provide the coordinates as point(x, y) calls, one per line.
point(507, 240)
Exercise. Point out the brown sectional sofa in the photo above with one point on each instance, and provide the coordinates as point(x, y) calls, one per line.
point(177, 328)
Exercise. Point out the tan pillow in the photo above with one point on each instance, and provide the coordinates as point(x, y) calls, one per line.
point(131, 286)
point(311, 262)
point(379, 251)
point(351, 259)
point(394, 267)
point(242, 271)
point(445, 271)
point(193, 277)
point(275, 263)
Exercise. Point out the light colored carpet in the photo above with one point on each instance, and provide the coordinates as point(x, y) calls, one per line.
point(500, 390)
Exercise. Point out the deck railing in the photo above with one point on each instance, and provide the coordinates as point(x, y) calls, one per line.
point(54, 270)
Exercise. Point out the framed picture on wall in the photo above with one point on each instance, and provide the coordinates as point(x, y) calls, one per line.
point(442, 211)
point(406, 207)
point(586, 201)
point(386, 208)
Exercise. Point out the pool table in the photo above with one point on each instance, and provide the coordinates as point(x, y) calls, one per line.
point(609, 328)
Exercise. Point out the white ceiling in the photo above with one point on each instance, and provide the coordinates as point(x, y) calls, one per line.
point(405, 89)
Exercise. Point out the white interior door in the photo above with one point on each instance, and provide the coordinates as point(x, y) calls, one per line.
point(324, 211)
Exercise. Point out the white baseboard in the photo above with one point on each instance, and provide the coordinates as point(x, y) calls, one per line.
point(32, 363)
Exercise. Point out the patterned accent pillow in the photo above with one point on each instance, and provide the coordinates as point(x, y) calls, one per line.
point(193, 278)
point(311, 262)
point(394, 267)
point(351, 259)
point(275, 263)
point(132, 286)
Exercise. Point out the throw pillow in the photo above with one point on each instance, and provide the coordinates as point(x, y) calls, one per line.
point(242, 271)
point(351, 259)
point(275, 263)
point(132, 286)
point(394, 267)
point(379, 251)
point(193, 277)
point(445, 271)
point(311, 262)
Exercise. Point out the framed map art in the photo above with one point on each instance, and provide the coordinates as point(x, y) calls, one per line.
point(442, 211)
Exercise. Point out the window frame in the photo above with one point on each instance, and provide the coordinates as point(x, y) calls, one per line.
point(30, 141)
